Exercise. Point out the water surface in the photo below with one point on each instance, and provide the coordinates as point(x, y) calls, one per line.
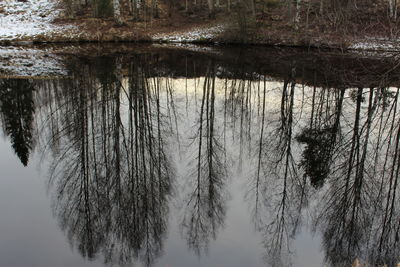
point(229, 157)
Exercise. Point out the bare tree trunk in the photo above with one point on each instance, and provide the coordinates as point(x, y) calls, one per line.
point(297, 15)
point(289, 6)
point(211, 8)
point(155, 7)
point(393, 9)
point(117, 12)
point(135, 10)
point(71, 8)
point(153, 10)
point(308, 13)
point(253, 7)
point(169, 8)
point(321, 7)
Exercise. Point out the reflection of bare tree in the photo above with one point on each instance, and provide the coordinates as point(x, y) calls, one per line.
point(385, 240)
point(349, 217)
point(112, 178)
point(238, 105)
point(358, 158)
point(111, 173)
point(205, 207)
point(278, 192)
point(17, 110)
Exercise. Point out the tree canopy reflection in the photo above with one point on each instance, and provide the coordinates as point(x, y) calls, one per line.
point(314, 155)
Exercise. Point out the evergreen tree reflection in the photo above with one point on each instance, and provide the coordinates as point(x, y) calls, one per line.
point(17, 112)
point(321, 136)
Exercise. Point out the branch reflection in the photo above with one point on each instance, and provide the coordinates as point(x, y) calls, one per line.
point(320, 148)
point(111, 172)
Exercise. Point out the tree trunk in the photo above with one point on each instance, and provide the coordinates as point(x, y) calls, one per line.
point(135, 10)
point(71, 8)
point(117, 12)
point(155, 8)
point(211, 9)
point(169, 8)
point(297, 15)
point(393, 9)
point(321, 7)
point(253, 8)
point(307, 15)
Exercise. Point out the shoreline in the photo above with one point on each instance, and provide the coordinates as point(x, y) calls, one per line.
point(45, 22)
point(48, 60)
point(367, 45)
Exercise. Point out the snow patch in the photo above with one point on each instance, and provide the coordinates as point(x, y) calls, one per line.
point(192, 35)
point(190, 47)
point(17, 61)
point(377, 44)
point(26, 19)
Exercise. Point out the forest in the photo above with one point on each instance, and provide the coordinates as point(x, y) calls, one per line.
point(248, 17)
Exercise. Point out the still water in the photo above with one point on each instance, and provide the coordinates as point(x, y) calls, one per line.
point(233, 157)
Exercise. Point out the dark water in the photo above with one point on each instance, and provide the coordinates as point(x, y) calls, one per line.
point(233, 157)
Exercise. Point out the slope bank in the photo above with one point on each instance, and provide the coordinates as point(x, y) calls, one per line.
point(46, 21)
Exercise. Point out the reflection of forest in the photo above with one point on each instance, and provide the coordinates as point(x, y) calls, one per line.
point(111, 134)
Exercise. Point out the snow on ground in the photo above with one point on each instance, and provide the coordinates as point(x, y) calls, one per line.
point(19, 61)
point(191, 35)
point(26, 19)
point(190, 47)
point(376, 44)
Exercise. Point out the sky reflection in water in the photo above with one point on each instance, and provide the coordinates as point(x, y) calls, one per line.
point(182, 159)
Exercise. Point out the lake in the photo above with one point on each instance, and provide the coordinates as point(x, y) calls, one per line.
point(151, 155)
